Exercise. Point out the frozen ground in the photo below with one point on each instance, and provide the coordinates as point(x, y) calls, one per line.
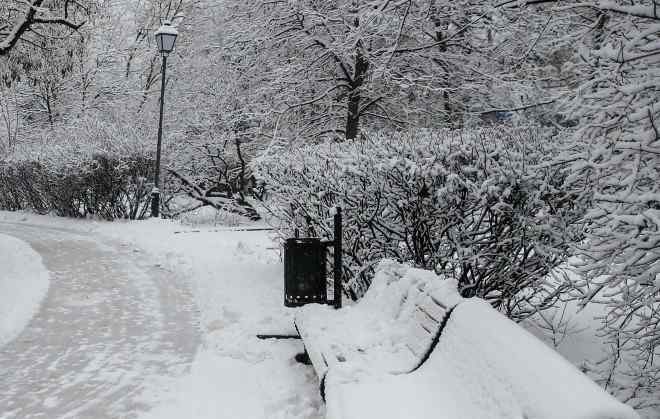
point(236, 277)
point(112, 328)
point(23, 285)
point(236, 281)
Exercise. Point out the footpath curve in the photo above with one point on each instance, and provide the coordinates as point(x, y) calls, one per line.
point(110, 335)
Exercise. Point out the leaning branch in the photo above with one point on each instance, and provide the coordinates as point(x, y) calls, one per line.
point(219, 203)
point(520, 108)
point(59, 21)
point(23, 25)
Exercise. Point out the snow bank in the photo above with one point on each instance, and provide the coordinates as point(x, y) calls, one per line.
point(23, 284)
point(484, 366)
point(224, 387)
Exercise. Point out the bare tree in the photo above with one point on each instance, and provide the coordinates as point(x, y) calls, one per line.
point(330, 67)
point(9, 118)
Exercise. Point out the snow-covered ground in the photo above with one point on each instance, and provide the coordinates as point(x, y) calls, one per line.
point(572, 331)
point(23, 284)
point(236, 278)
point(113, 327)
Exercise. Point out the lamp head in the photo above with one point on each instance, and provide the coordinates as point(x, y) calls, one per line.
point(166, 37)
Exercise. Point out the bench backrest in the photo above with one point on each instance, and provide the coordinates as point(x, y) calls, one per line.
point(419, 301)
point(429, 304)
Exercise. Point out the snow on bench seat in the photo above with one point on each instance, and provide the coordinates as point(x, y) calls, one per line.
point(484, 367)
point(390, 330)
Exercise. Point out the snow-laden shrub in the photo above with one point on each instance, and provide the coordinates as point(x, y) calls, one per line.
point(104, 186)
point(214, 174)
point(619, 260)
point(616, 106)
point(93, 168)
point(484, 207)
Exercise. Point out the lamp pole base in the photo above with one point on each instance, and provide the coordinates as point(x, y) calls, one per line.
point(155, 203)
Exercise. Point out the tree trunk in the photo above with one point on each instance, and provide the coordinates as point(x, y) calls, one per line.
point(354, 97)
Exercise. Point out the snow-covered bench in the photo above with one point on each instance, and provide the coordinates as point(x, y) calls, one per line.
point(392, 328)
point(413, 348)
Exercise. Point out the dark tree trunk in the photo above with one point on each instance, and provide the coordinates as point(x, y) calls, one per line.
point(453, 109)
point(353, 117)
point(354, 97)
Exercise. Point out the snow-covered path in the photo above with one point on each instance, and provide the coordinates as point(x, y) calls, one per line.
point(111, 328)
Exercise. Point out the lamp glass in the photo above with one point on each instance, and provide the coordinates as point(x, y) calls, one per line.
point(166, 37)
point(165, 42)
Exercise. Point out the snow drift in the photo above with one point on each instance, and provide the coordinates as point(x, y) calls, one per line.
point(23, 284)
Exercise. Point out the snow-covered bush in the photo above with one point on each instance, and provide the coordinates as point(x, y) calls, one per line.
point(213, 174)
point(94, 167)
point(616, 170)
point(104, 186)
point(481, 206)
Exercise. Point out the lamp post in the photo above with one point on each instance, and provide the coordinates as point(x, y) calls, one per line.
point(165, 39)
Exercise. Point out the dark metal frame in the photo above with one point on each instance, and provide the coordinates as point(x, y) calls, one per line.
point(155, 194)
point(338, 261)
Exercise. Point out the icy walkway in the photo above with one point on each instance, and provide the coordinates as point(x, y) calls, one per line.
point(111, 328)
point(235, 281)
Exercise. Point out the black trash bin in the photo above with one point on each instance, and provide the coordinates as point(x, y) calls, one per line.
point(304, 272)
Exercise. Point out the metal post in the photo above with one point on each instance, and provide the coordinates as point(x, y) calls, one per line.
point(338, 261)
point(155, 194)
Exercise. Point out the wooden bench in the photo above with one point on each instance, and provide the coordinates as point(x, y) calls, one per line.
point(413, 348)
point(393, 328)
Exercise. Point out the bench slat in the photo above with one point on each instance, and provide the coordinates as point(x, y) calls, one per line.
point(418, 338)
point(426, 322)
point(432, 310)
point(415, 349)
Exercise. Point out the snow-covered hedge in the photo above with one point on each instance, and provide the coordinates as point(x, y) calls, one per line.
point(484, 207)
point(104, 186)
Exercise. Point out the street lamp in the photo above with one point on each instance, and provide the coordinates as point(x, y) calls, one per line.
point(165, 39)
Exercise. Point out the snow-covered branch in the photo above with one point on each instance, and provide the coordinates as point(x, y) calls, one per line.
point(36, 14)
